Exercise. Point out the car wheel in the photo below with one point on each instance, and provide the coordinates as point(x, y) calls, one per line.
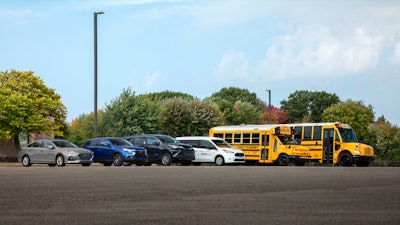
point(85, 164)
point(219, 161)
point(60, 160)
point(346, 160)
point(117, 159)
point(283, 160)
point(166, 159)
point(26, 161)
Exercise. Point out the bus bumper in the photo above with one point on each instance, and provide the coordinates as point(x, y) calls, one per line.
point(363, 158)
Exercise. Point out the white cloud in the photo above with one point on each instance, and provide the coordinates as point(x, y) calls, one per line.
point(318, 51)
point(150, 81)
point(397, 53)
point(233, 67)
point(90, 4)
point(10, 12)
point(321, 40)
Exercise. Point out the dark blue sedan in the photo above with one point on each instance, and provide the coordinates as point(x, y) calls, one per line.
point(117, 151)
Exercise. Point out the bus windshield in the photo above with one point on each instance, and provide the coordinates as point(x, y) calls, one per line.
point(287, 140)
point(348, 135)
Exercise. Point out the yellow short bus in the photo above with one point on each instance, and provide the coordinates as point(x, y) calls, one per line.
point(264, 144)
point(333, 143)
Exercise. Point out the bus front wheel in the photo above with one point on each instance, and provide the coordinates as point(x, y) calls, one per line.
point(346, 160)
point(283, 160)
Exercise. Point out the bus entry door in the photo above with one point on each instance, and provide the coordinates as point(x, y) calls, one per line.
point(264, 148)
point(328, 146)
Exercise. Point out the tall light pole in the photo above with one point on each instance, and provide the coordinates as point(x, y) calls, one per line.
point(269, 106)
point(95, 72)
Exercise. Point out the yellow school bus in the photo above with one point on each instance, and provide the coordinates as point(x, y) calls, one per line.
point(333, 143)
point(263, 144)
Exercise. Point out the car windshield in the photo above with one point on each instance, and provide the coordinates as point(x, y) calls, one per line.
point(222, 143)
point(65, 144)
point(120, 142)
point(348, 135)
point(168, 139)
point(287, 140)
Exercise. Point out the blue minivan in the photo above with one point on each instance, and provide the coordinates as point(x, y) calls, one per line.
point(117, 151)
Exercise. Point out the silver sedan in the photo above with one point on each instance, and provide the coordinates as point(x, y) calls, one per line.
point(54, 152)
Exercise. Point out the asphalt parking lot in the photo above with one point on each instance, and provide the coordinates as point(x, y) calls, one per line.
point(199, 195)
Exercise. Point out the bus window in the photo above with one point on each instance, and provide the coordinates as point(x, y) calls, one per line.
point(237, 137)
point(228, 137)
point(255, 138)
point(246, 138)
point(337, 136)
point(219, 136)
point(307, 133)
point(297, 133)
point(265, 139)
point(317, 132)
point(348, 135)
point(287, 140)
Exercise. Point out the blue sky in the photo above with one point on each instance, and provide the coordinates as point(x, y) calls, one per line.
point(350, 48)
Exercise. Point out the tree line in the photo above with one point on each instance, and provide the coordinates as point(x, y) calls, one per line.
point(28, 106)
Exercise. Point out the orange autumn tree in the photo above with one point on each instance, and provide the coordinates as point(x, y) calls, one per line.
point(278, 115)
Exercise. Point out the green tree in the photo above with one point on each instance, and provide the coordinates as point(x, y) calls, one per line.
point(129, 114)
point(226, 98)
point(385, 138)
point(181, 117)
point(28, 106)
point(351, 112)
point(245, 113)
point(320, 100)
point(81, 129)
point(159, 96)
point(306, 106)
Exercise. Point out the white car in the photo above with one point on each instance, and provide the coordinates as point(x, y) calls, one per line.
point(213, 150)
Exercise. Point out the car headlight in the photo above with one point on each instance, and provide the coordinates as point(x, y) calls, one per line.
point(176, 147)
point(229, 152)
point(71, 153)
point(127, 150)
point(357, 152)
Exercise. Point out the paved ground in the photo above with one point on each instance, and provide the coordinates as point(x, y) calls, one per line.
point(199, 195)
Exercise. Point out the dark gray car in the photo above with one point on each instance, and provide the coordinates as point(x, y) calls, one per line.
point(163, 149)
point(54, 152)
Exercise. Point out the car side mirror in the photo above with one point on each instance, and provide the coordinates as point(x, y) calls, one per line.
point(157, 143)
point(50, 147)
